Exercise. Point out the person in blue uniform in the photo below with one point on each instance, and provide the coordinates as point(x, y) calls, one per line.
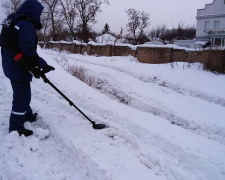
point(18, 35)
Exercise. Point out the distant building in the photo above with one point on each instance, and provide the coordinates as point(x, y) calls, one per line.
point(211, 23)
point(210, 28)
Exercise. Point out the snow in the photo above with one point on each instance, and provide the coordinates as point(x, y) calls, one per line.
point(154, 45)
point(201, 42)
point(164, 122)
point(108, 38)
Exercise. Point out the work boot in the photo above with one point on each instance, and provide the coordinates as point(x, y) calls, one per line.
point(25, 132)
point(32, 118)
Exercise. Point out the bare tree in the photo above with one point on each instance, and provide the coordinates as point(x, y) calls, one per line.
point(138, 21)
point(117, 37)
point(88, 9)
point(180, 30)
point(53, 15)
point(44, 34)
point(10, 6)
point(70, 12)
point(133, 22)
point(159, 32)
point(190, 32)
point(144, 23)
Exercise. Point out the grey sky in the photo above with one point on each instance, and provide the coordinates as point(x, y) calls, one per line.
point(169, 12)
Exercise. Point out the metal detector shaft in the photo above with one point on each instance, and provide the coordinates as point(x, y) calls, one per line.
point(19, 58)
point(46, 80)
point(95, 126)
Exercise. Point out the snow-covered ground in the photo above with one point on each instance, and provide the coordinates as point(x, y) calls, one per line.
point(164, 122)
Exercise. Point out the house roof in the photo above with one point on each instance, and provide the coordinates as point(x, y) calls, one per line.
point(216, 8)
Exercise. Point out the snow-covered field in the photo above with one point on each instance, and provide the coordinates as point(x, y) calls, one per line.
point(164, 122)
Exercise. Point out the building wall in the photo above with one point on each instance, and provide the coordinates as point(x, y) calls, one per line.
point(212, 12)
point(200, 28)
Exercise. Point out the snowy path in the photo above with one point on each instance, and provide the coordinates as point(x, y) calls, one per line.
point(33, 157)
point(141, 141)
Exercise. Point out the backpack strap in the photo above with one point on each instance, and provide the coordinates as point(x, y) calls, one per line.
point(12, 19)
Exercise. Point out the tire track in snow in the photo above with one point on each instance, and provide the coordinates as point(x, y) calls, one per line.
point(156, 80)
point(71, 131)
point(115, 92)
point(165, 158)
point(159, 155)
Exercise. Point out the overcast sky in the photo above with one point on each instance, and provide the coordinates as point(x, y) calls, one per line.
point(169, 12)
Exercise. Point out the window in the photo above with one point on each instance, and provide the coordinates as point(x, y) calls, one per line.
point(216, 24)
point(207, 25)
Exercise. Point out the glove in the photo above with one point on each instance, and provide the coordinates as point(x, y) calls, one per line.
point(36, 72)
point(32, 61)
point(30, 64)
point(47, 69)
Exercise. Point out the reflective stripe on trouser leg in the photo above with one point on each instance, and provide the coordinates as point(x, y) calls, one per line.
point(20, 104)
point(19, 113)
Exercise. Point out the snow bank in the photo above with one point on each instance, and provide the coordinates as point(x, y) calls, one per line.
point(169, 129)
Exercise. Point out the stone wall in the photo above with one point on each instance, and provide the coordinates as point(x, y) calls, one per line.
point(154, 55)
point(97, 50)
point(92, 49)
point(70, 47)
point(121, 51)
point(213, 60)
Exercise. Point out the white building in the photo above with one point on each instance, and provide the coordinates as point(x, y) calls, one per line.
point(211, 23)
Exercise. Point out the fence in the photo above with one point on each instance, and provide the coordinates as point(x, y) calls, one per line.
point(214, 60)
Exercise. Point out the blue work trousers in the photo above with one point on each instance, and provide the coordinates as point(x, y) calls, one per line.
point(21, 110)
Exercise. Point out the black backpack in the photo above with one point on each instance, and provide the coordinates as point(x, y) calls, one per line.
point(9, 33)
